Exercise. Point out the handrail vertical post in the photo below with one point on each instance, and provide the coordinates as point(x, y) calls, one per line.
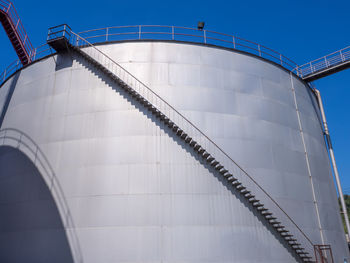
point(107, 33)
point(17, 23)
point(281, 59)
point(8, 9)
point(173, 33)
point(3, 142)
point(259, 50)
point(139, 31)
point(341, 56)
point(312, 71)
point(205, 37)
point(234, 42)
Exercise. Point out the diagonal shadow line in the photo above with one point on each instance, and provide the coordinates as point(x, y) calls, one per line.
point(114, 86)
point(9, 97)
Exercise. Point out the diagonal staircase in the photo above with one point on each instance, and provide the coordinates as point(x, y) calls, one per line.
point(241, 181)
point(15, 32)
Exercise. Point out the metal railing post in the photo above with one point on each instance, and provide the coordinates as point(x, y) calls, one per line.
point(64, 30)
point(341, 56)
point(173, 33)
point(281, 59)
point(107, 33)
point(17, 23)
point(140, 32)
point(205, 37)
point(234, 42)
point(312, 71)
point(259, 50)
point(3, 141)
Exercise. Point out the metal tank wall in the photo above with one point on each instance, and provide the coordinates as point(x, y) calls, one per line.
point(136, 193)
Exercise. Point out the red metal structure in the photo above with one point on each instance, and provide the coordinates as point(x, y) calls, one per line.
point(323, 254)
point(15, 31)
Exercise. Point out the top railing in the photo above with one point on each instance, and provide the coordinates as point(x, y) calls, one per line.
point(159, 32)
point(8, 8)
point(38, 53)
point(186, 34)
point(324, 63)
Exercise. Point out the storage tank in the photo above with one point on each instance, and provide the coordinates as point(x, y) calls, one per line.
point(91, 173)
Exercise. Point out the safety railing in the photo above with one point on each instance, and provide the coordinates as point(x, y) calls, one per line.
point(20, 140)
point(331, 60)
point(195, 133)
point(158, 32)
point(186, 34)
point(59, 31)
point(38, 53)
point(8, 8)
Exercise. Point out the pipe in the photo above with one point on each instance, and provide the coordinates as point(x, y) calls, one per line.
point(334, 165)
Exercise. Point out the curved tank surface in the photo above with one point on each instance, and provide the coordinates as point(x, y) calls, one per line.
point(134, 191)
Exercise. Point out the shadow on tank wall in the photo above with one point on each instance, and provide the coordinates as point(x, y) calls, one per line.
point(31, 229)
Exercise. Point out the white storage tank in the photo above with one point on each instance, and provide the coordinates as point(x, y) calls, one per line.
point(89, 174)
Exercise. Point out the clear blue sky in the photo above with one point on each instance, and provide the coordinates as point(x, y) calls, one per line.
point(302, 30)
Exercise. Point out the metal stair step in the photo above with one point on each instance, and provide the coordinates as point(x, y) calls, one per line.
point(183, 135)
point(196, 147)
point(231, 179)
point(214, 163)
point(227, 175)
point(210, 159)
point(254, 200)
point(171, 124)
point(249, 195)
point(201, 150)
point(206, 154)
point(179, 132)
point(193, 143)
point(219, 167)
point(236, 183)
point(240, 187)
point(223, 171)
point(245, 191)
point(188, 139)
point(266, 212)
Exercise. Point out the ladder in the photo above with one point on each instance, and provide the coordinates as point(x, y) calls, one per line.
point(15, 31)
point(62, 39)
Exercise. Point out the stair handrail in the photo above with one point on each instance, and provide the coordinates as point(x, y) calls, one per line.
point(84, 45)
point(16, 138)
point(8, 8)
